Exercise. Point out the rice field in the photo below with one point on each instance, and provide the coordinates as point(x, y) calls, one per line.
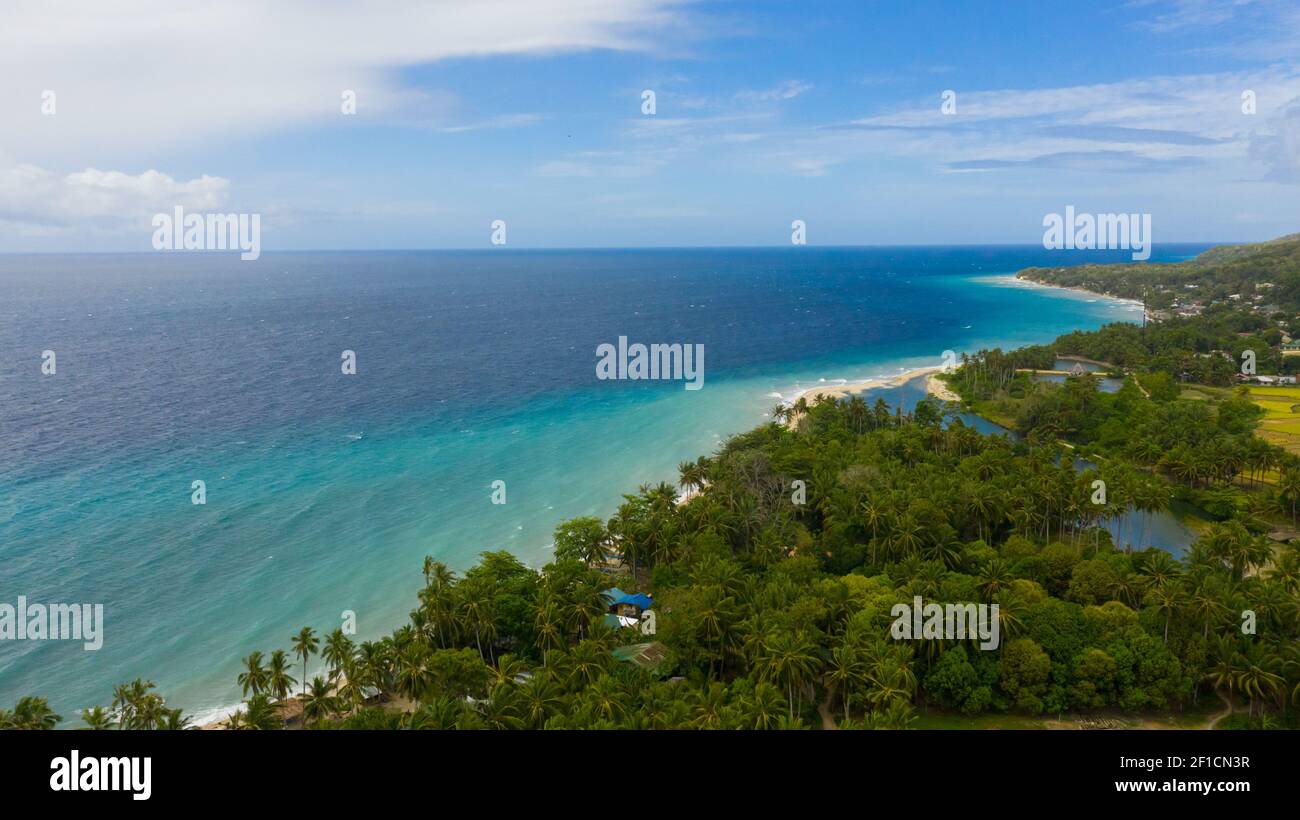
point(1281, 422)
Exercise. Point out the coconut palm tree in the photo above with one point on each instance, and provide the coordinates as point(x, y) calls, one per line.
point(305, 644)
point(258, 715)
point(709, 705)
point(30, 713)
point(414, 678)
point(1288, 487)
point(278, 680)
point(788, 658)
point(1258, 676)
point(550, 632)
point(994, 576)
point(540, 698)
point(96, 718)
point(848, 671)
point(254, 678)
point(318, 702)
point(338, 649)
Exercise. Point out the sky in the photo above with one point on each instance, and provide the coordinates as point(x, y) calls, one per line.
point(531, 112)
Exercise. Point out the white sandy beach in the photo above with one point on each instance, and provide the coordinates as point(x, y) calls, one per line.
point(933, 386)
point(840, 391)
point(1013, 281)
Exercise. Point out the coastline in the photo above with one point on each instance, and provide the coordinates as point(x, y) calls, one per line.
point(936, 387)
point(840, 391)
point(933, 386)
point(1016, 280)
point(216, 709)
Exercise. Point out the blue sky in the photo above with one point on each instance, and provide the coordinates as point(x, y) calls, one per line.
point(531, 112)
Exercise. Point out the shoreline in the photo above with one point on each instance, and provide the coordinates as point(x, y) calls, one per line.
point(214, 715)
point(1016, 280)
point(840, 391)
point(934, 386)
point(814, 395)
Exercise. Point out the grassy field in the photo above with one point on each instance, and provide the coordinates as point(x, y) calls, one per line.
point(1281, 422)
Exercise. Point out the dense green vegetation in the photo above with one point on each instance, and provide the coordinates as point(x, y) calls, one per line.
point(1215, 275)
point(768, 608)
point(773, 600)
point(1247, 296)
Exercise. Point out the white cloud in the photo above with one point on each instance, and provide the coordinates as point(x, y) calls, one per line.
point(787, 90)
point(1168, 122)
point(35, 201)
point(495, 123)
point(155, 78)
point(162, 74)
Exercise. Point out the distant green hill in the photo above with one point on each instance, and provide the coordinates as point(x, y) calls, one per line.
point(1215, 275)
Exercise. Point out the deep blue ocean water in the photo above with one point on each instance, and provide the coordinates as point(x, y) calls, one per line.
point(325, 490)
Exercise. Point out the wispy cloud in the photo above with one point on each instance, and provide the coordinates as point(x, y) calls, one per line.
point(154, 76)
point(786, 90)
point(495, 123)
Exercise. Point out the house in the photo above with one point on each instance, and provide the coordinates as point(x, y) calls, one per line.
point(1291, 349)
point(612, 563)
point(625, 605)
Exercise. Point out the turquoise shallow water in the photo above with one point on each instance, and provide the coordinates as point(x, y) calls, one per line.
point(325, 491)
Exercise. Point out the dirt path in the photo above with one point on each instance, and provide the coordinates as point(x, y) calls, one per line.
point(1214, 722)
point(824, 709)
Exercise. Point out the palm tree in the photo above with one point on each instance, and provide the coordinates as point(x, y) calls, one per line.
point(260, 715)
point(351, 689)
point(1258, 677)
point(376, 659)
point(763, 707)
point(96, 718)
point(477, 609)
point(994, 576)
point(716, 613)
point(305, 644)
point(1288, 486)
point(587, 662)
point(136, 706)
point(508, 669)
point(789, 658)
point(254, 678)
point(891, 682)
point(338, 649)
point(708, 706)
point(30, 713)
point(414, 675)
point(278, 679)
point(318, 702)
point(1206, 603)
point(691, 475)
point(539, 699)
point(1168, 599)
point(587, 606)
point(848, 671)
point(550, 634)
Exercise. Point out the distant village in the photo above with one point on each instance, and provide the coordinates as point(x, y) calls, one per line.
point(1187, 302)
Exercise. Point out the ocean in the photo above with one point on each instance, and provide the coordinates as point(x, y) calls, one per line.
point(325, 490)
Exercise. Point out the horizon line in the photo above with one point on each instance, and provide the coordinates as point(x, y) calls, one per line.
point(537, 248)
